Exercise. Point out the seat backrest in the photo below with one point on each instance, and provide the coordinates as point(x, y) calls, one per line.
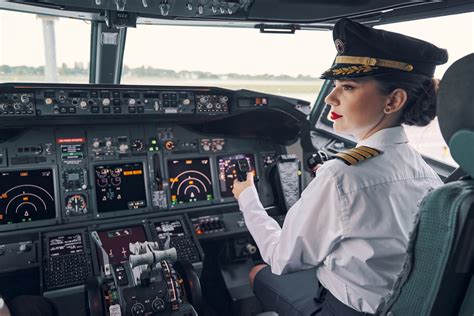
point(441, 250)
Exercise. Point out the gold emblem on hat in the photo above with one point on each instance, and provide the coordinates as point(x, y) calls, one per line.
point(340, 46)
point(352, 70)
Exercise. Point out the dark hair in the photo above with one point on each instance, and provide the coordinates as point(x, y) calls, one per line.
point(420, 107)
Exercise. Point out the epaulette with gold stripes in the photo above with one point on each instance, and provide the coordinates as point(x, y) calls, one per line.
point(357, 154)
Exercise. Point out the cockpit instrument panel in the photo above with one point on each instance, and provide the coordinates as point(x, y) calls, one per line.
point(228, 172)
point(120, 187)
point(27, 195)
point(190, 180)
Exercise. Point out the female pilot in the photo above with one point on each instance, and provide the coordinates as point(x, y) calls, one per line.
point(349, 231)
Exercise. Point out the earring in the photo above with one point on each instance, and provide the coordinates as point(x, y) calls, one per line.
point(386, 110)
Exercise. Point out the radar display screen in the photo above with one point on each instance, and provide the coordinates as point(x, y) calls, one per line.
point(190, 180)
point(172, 228)
point(27, 196)
point(65, 245)
point(116, 242)
point(120, 187)
point(228, 172)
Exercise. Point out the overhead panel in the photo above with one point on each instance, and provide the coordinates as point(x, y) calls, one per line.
point(298, 11)
point(323, 10)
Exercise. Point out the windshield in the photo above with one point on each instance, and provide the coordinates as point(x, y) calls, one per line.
point(234, 58)
point(41, 49)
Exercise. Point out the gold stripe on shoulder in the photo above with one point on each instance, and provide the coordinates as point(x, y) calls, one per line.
point(362, 152)
point(346, 158)
point(355, 154)
point(372, 151)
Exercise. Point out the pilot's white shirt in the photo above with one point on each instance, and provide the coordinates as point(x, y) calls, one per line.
point(352, 222)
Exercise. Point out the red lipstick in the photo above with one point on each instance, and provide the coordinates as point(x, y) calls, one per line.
point(335, 116)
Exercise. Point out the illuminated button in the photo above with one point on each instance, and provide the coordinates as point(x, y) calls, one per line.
point(106, 109)
point(106, 102)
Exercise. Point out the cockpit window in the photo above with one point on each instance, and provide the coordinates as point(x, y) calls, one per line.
point(233, 58)
point(36, 48)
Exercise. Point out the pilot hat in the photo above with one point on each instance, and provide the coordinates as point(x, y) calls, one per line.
point(365, 51)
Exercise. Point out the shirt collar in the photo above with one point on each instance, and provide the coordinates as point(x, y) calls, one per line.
point(386, 136)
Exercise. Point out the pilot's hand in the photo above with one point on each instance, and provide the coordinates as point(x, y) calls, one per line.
point(239, 187)
point(319, 165)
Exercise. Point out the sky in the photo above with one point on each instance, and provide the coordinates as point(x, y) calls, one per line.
point(223, 50)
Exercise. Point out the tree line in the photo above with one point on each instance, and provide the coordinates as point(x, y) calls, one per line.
point(80, 70)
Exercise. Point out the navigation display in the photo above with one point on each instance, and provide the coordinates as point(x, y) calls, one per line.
point(172, 228)
point(65, 245)
point(116, 242)
point(227, 171)
point(190, 180)
point(120, 187)
point(27, 196)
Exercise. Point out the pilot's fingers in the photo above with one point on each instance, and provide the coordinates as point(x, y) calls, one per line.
point(317, 167)
point(250, 177)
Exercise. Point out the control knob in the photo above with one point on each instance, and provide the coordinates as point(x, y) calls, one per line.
point(138, 309)
point(25, 98)
point(186, 102)
point(24, 248)
point(95, 144)
point(158, 305)
point(169, 145)
point(108, 143)
point(83, 104)
point(132, 102)
point(48, 101)
point(123, 147)
point(223, 99)
point(251, 249)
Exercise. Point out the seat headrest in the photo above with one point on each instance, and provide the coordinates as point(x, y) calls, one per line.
point(455, 110)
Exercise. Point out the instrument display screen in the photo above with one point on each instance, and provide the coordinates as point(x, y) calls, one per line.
point(116, 242)
point(228, 172)
point(172, 228)
point(65, 245)
point(27, 196)
point(120, 187)
point(190, 180)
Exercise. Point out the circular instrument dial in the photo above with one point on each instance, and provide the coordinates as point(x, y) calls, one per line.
point(76, 204)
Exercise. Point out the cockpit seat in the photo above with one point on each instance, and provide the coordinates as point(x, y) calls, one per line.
point(439, 273)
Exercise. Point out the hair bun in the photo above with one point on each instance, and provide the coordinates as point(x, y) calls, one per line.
point(423, 109)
